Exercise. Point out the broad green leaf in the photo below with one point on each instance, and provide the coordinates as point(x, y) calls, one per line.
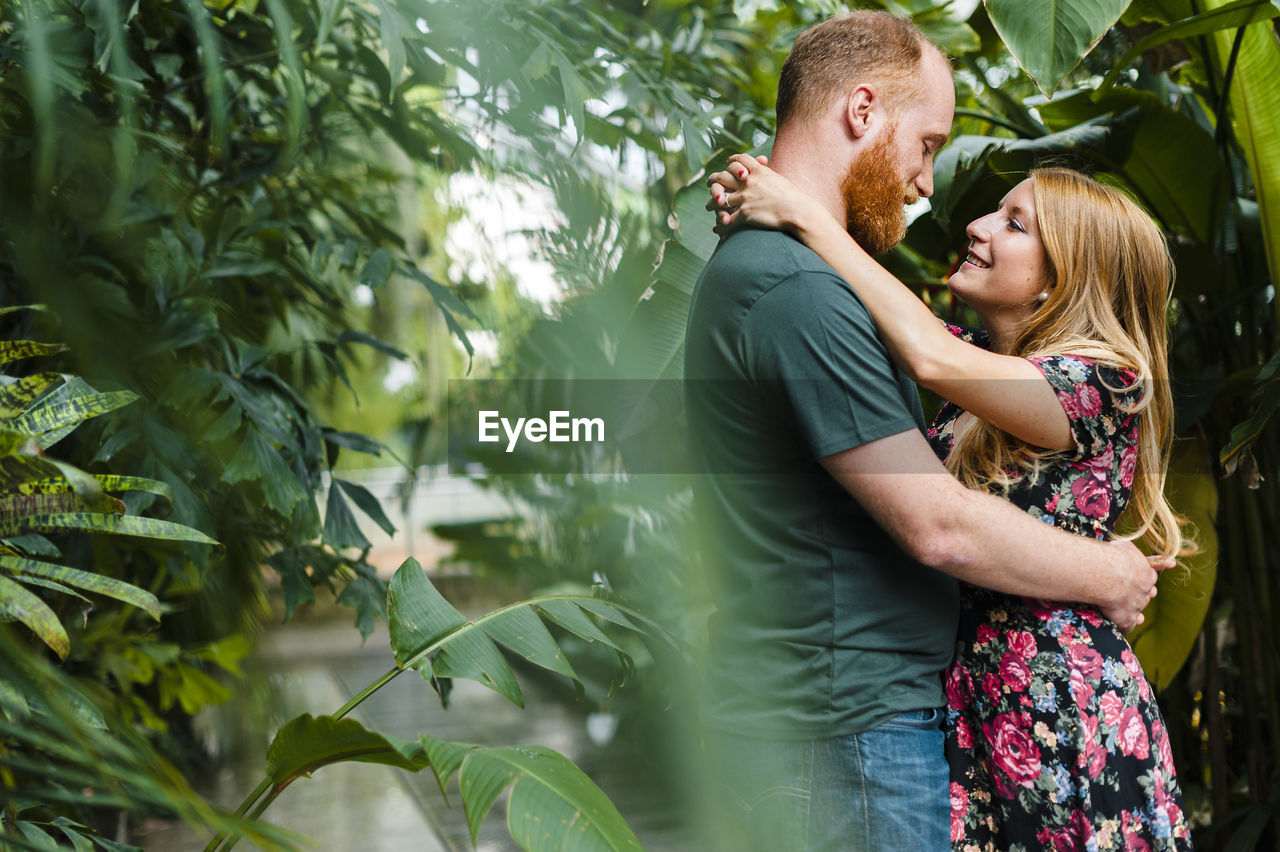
point(368, 504)
point(46, 420)
point(418, 615)
point(1172, 162)
point(521, 630)
point(1240, 13)
point(470, 654)
point(1048, 38)
point(22, 605)
point(569, 615)
point(554, 806)
point(106, 586)
point(1255, 106)
point(1164, 640)
point(99, 523)
point(16, 350)
point(15, 397)
point(257, 459)
point(340, 527)
point(307, 743)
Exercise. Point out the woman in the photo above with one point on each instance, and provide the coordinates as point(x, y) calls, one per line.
point(1061, 405)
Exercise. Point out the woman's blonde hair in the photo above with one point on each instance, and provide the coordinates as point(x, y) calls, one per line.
point(1111, 276)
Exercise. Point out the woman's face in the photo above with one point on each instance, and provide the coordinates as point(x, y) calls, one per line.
point(1005, 269)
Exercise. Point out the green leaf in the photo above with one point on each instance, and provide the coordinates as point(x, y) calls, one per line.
point(258, 460)
point(340, 527)
point(1048, 38)
point(377, 270)
point(369, 340)
point(1240, 13)
point(521, 630)
point(368, 504)
point(106, 586)
point(1255, 104)
point(422, 621)
point(367, 595)
point(21, 505)
point(16, 350)
point(15, 397)
point(18, 603)
point(47, 419)
point(1172, 161)
point(569, 616)
point(307, 743)
point(1172, 621)
point(99, 523)
point(553, 804)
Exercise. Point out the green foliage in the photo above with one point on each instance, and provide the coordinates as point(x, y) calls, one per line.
point(553, 805)
point(1050, 39)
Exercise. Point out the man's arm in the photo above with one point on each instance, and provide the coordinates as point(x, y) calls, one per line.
point(984, 540)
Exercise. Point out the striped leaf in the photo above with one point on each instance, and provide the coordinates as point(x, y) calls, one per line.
point(15, 397)
point(13, 443)
point(22, 505)
point(50, 422)
point(101, 523)
point(107, 482)
point(51, 585)
point(16, 350)
point(22, 605)
point(15, 470)
point(108, 587)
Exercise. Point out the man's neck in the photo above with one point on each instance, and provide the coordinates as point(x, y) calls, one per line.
point(798, 158)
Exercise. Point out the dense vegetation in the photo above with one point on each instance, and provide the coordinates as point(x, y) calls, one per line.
point(206, 195)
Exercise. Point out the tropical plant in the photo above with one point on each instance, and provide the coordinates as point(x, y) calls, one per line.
point(553, 805)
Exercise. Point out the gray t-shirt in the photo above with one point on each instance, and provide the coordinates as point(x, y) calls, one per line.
point(825, 626)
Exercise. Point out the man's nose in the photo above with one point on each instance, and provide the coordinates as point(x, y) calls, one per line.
point(924, 183)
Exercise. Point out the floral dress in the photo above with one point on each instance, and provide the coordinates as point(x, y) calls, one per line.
point(1052, 733)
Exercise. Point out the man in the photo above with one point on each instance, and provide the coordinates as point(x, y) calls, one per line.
point(837, 535)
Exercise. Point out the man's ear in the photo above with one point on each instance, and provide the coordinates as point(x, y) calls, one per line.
point(860, 109)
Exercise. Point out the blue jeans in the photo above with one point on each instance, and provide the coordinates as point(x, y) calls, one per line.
point(879, 791)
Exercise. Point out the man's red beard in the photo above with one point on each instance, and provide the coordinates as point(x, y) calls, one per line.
point(874, 194)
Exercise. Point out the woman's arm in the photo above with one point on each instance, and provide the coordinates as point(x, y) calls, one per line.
point(1008, 392)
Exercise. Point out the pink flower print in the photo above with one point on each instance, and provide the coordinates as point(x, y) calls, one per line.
point(1070, 404)
point(1081, 690)
point(1132, 734)
point(1014, 672)
point(1128, 463)
point(1161, 739)
point(1052, 505)
point(1086, 659)
point(1092, 497)
point(985, 633)
point(959, 687)
point(991, 685)
point(964, 736)
point(1112, 708)
point(1089, 400)
point(959, 803)
point(1013, 750)
point(1022, 643)
point(1134, 843)
point(1094, 757)
point(1131, 663)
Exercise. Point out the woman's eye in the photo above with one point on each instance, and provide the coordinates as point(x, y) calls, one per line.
point(1017, 226)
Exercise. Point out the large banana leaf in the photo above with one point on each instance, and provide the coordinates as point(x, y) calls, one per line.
point(1172, 621)
point(554, 806)
point(1255, 105)
point(1048, 38)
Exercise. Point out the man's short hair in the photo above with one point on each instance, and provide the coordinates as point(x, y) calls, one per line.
point(832, 57)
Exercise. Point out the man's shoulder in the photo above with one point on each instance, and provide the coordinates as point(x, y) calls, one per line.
point(766, 255)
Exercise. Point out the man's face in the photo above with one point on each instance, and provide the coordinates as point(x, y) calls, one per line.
point(898, 168)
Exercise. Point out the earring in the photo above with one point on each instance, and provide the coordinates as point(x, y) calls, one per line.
point(1044, 297)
